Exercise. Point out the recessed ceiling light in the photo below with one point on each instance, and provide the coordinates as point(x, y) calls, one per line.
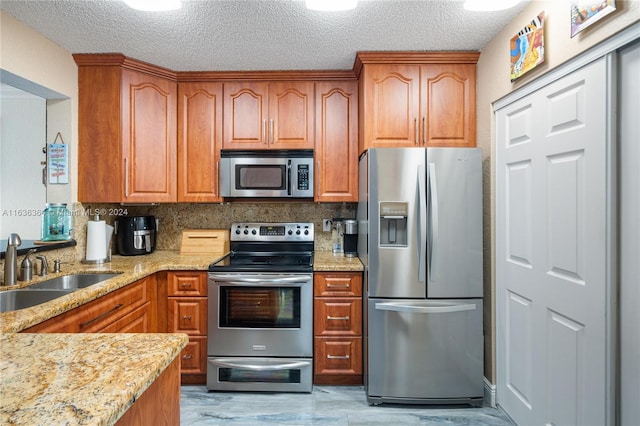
point(331, 5)
point(153, 5)
point(489, 5)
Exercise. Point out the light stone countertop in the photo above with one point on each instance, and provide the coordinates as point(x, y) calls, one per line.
point(79, 379)
point(93, 378)
point(132, 268)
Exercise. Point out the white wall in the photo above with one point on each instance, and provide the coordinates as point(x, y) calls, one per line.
point(493, 83)
point(22, 137)
point(28, 54)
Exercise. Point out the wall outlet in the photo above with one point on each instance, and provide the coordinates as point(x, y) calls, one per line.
point(326, 225)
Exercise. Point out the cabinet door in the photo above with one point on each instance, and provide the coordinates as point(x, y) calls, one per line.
point(391, 105)
point(188, 315)
point(199, 141)
point(245, 115)
point(291, 118)
point(148, 138)
point(187, 283)
point(448, 105)
point(336, 148)
point(193, 359)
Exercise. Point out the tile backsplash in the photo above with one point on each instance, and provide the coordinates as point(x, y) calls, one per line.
point(173, 218)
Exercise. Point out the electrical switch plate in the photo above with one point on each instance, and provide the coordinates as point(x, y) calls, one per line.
point(326, 225)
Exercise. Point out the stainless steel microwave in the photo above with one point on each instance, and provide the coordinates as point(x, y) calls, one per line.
point(265, 174)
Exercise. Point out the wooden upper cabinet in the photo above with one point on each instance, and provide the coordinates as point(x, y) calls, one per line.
point(417, 99)
point(260, 115)
point(126, 129)
point(448, 105)
point(149, 138)
point(336, 142)
point(199, 141)
point(390, 105)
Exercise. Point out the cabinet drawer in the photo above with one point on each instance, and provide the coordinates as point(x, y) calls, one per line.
point(334, 355)
point(96, 315)
point(337, 284)
point(187, 315)
point(337, 316)
point(193, 358)
point(138, 321)
point(187, 283)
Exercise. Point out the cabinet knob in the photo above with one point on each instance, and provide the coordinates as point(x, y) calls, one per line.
point(184, 285)
point(186, 317)
point(187, 356)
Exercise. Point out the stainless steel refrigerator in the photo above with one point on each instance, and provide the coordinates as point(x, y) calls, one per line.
point(420, 240)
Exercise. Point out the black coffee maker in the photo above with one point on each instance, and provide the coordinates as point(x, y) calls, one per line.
point(136, 235)
point(350, 238)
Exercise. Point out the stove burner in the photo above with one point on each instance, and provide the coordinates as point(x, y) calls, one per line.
point(286, 250)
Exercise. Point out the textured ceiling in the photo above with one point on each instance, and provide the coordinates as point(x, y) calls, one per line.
point(224, 35)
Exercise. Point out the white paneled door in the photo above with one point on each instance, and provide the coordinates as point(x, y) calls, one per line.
point(552, 250)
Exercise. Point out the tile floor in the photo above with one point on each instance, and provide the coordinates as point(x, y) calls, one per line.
point(326, 405)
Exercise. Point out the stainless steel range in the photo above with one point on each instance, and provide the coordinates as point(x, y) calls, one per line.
point(261, 310)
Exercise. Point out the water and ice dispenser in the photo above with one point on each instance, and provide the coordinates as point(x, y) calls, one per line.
point(393, 224)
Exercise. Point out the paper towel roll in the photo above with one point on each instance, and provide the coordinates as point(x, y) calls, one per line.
point(96, 240)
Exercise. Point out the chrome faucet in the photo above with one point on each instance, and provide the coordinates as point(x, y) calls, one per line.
point(44, 266)
point(11, 259)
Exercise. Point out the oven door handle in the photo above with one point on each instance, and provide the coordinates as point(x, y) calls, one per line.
point(248, 280)
point(270, 367)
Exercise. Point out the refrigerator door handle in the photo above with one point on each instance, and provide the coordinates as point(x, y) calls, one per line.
point(433, 226)
point(441, 308)
point(422, 231)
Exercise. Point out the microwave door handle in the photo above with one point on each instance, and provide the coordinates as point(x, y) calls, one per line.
point(289, 183)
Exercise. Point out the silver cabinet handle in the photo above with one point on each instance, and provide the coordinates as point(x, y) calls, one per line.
point(264, 131)
point(329, 285)
point(102, 315)
point(126, 177)
point(187, 356)
point(337, 356)
point(433, 308)
point(271, 131)
point(338, 318)
point(415, 124)
point(186, 317)
point(424, 131)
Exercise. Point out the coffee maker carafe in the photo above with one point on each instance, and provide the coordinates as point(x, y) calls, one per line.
point(136, 235)
point(350, 238)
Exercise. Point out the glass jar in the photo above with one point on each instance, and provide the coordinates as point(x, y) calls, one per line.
point(56, 222)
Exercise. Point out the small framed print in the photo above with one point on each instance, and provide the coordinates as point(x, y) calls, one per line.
point(585, 13)
point(527, 47)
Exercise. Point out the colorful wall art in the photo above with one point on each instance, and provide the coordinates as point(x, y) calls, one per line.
point(585, 13)
point(527, 47)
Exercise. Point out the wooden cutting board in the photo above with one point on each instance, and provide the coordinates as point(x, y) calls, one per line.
point(205, 242)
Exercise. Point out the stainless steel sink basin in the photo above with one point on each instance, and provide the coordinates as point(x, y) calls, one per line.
point(73, 281)
point(12, 300)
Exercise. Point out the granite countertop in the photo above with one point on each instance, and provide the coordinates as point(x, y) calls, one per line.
point(132, 268)
point(79, 378)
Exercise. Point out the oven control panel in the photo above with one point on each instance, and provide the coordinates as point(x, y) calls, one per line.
point(272, 231)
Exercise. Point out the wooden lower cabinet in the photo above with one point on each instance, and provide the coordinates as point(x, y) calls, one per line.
point(187, 313)
point(131, 309)
point(337, 324)
point(159, 404)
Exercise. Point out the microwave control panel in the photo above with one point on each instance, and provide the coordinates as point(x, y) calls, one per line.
point(303, 177)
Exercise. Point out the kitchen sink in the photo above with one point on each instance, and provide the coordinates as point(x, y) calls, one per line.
point(73, 281)
point(12, 300)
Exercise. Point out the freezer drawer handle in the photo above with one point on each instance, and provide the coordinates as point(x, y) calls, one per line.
point(416, 309)
point(270, 367)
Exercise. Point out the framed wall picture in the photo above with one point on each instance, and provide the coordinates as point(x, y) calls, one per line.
point(527, 47)
point(585, 13)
